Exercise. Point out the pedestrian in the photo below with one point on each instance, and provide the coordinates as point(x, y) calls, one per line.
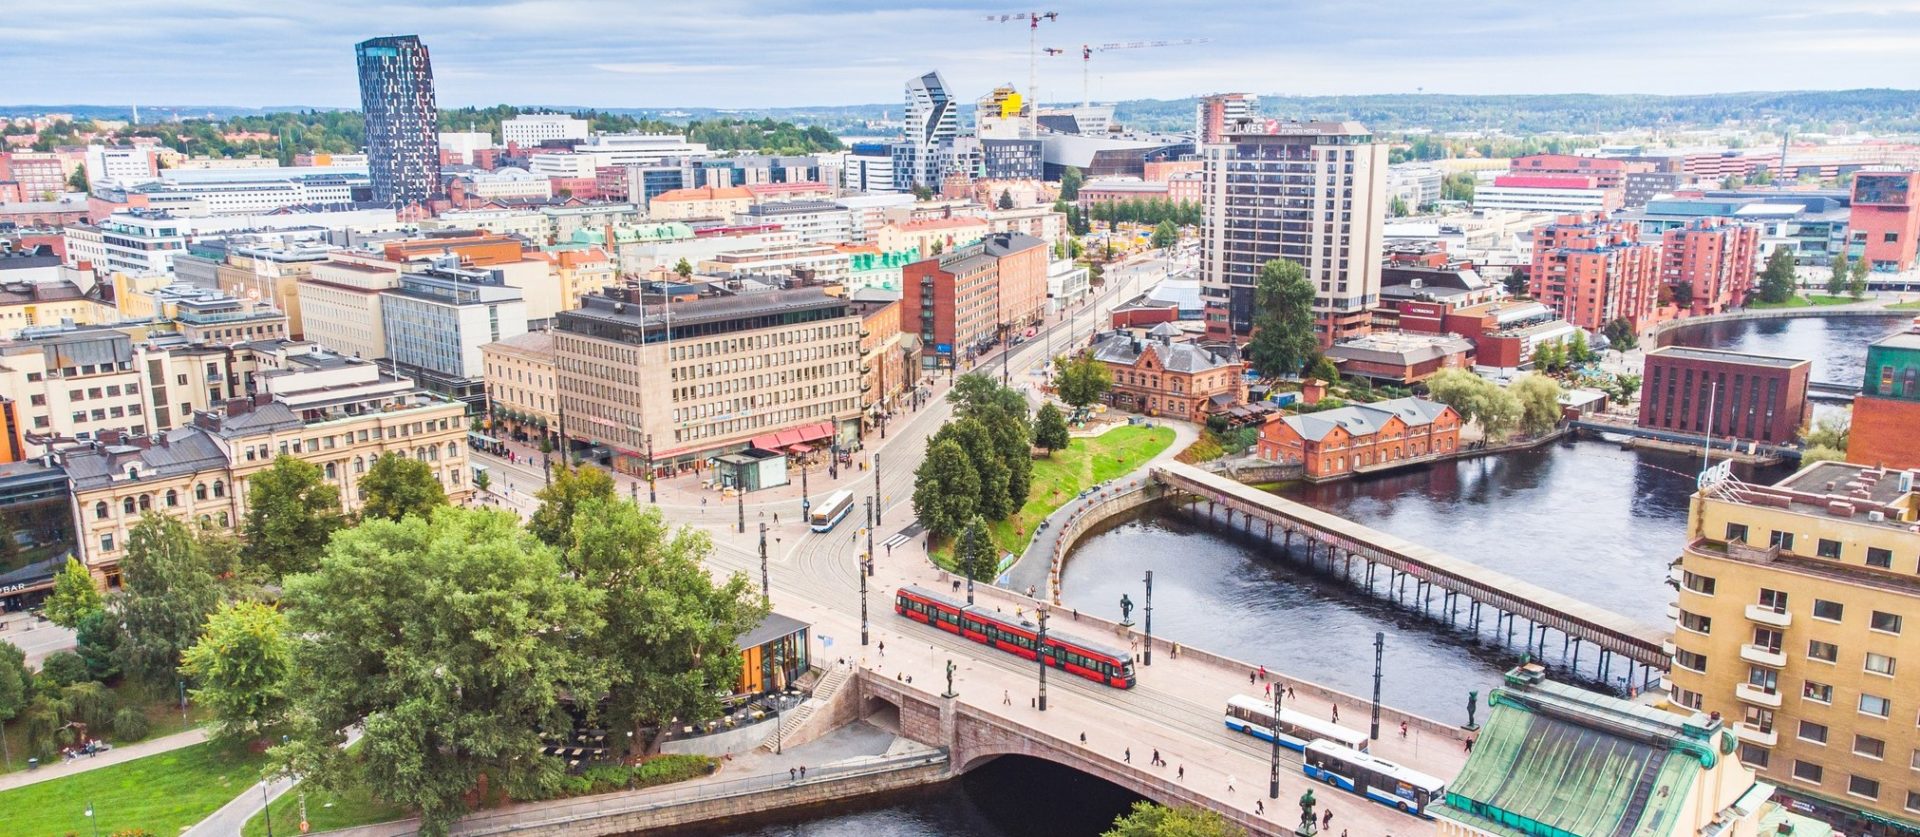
point(1326, 820)
point(1269, 689)
point(1259, 808)
point(1126, 756)
point(1182, 775)
point(1470, 743)
point(1229, 784)
point(889, 549)
point(793, 773)
point(1083, 737)
point(1290, 693)
point(776, 518)
point(1403, 730)
point(883, 653)
point(1251, 677)
point(1336, 713)
point(1263, 672)
point(803, 775)
point(1155, 761)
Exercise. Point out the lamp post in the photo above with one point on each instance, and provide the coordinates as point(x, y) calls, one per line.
point(806, 503)
point(876, 493)
point(266, 810)
point(740, 502)
point(1040, 648)
point(766, 587)
point(1148, 659)
point(653, 494)
point(1379, 649)
point(96, 822)
point(862, 573)
point(873, 521)
point(1273, 762)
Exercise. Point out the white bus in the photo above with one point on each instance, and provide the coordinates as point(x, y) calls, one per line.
point(1377, 779)
point(828, 514)
point(1254, 717)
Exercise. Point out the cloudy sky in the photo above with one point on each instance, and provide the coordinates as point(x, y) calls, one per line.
point(759, 53)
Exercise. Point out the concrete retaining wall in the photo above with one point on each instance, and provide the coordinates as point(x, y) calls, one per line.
point(1662, 329)
point(736, 740)
point(1085, 519)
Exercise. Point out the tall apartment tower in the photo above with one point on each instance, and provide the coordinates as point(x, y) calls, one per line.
point(1222, 113)
point(1593, 270)
point(933, 120)
point(1311, 192)
point(403, 124)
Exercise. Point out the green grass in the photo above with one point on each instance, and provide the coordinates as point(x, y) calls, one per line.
point(1802, 302)
point(163, 718)
point(161, 793)
point(1913, 305)
point(1059, 478)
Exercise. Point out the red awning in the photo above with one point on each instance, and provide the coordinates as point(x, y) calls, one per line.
point(788, 438)
point(813, 432)
point(800, 448)
point(769, 441)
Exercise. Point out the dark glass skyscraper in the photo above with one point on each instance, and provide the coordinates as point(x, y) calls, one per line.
point(403, 124)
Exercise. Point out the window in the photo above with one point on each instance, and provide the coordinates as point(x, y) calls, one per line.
point(1760, 719)
point(1879, 664)
point(200, 491)
point(173, 498)
point(1828, 548)
point(1877, 557)
point(1775, 600)
point(1829, 611)
point(1784, 540)
point(1696, 623)
point(126, 505)
point(106, 542)
point(1823, 651)
point(1765, 679)
point(101, 510)
point(1807, 771)
point(1885, 622)
point(1817, 692)
point(1754, 755)
point(1810, 731)
point(1913, 800)
point(1692, 700)
point(1690, 660)
point(1767, 638)
point(1875, 705)
point(1702, 584)
point(1737, 532)
point(219, 488)
point(1863, 786)
point(1867, 745)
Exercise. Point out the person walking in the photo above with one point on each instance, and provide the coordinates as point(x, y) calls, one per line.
point(1326, 820)
point(1336, 713)
point(1182, 775)
point(1251, 677)
point(1006, 698)
point(1290, 693)
point(883, 653)
point(803, 775)
point(1229, 784)
point(1260, 807)
point(1403, 730)
point(792, 774)
point(1126, 756)
point(1155, 761)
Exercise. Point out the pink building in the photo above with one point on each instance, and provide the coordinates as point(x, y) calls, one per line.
point(1884, 225)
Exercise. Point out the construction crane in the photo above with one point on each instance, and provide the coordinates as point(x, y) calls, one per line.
point(1087, 51)
point(1033, 65)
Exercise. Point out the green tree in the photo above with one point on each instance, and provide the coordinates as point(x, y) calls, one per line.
point(1082, 380)
point(1002, 410)
point(945, 488)
point(64, 668)
point(983, 455)
point(482, 481)
point(1476, 399)
point(243, 663)
point(1148, 819)
point(1325, 369)
point(1778, 282)
point(1821, 453)
point(1070, 180)
point(922, 192)
point(1578, 349)
point(667, 641)
point(1857, 285)
point(1625, 388)
point(78, 181)
point(974, 554)
point(168, 589)
point(1841, 277)
point(1050, 429)
point(1539, 398)
point(1165, 235)
point(1830, 432)
point(16, 689)
point(683, 269)
point(74, 595)
point(97, 640)
point(291, 512)
point(1006, 199)
point(1620, 334)
point(398, 486)
point(1458, 186)
point(448, 638)
point(1516, 281)
point(1283, 337)
point(572, 487)
point(1397, 208)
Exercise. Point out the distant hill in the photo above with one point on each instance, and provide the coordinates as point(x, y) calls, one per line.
point(1834, 111)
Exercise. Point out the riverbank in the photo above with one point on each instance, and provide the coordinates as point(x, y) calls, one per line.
point(1867, 308)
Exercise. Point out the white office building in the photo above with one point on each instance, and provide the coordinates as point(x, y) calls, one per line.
point(120, 165)
point(811, 222)
point(1538, 199)
point(460, 145)
point(872, 173)
point(933, 120)
point(615, 150)
point(866, 214)
point(531, 129)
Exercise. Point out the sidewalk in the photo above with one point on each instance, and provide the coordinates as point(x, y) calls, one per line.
point(117, 755)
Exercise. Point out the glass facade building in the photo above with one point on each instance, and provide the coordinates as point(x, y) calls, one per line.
point(403, 131)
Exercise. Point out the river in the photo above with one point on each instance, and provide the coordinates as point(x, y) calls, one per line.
point(1588, 519)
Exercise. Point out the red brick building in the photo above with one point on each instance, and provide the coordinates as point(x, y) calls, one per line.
point(961, 302)
point(1158, 376)
point(1884, 224)
point(1607, 173)
point(1727, 394)
point(1362, 437)
point(1714, 259)
point(1886, 416)
point(1591, 270)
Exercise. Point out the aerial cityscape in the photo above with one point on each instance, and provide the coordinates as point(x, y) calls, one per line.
point(761, 420)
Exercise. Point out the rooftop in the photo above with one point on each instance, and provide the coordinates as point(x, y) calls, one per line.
point(1365, 419)
point(1400, 347)
point(534, 343)
point(1721, 356)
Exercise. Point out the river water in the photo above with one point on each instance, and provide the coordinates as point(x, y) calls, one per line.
point(1587, 519)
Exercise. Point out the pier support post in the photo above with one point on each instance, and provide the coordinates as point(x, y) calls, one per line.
point(1575, 665)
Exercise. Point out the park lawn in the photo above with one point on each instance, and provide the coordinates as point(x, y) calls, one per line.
point(1912, 305)
point(161, 793)
point(325, 810)
point(1085, 462)
point(163, 718)
point(1803, 301)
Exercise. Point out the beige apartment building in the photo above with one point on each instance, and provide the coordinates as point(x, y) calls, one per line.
point(1791, 623)
point(728, 368)
point(338, 413)
point(522, 385)
point(340, 305)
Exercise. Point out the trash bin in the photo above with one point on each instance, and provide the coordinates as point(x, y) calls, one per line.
point(33, 764)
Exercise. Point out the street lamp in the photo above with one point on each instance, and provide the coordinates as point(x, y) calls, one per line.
point(96, 822)
point(1273, 764)
point(1040, 648)
point(653, 495)
point(859, 571)
point(1148, 660)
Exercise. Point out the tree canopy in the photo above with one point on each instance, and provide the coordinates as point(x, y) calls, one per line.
point(946, 490)
point(1283, 336)
point(1778, 282)
point(291, 512)
point(976, 442)
point(168, 588)
point(1081, 380)
point(243, 665)
point(974, 552)
point(1149, 819)
point(1476, 399)
point(1539, 399)
point(398, 486)
point(561, 500)
point(1050, 428)
point(74, 595)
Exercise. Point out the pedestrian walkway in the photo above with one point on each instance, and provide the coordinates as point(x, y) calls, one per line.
point(118, 755)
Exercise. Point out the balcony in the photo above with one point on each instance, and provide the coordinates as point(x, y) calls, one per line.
point(1756, 696)
point(1667, 647)
point(1755, 735)
point(1761, 656)
point(1768, 616)
point(1675, 575)
point(1673, 611)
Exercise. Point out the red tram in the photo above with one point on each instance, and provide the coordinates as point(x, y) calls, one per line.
point(1075, 656)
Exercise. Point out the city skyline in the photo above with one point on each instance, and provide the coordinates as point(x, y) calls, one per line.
point(749, 54)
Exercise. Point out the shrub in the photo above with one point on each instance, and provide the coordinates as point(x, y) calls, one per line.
point(130, 724)
point(64, 668)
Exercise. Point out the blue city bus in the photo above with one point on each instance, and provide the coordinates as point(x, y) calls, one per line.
point(1254, 717)
point(1374, 778)
point(829, 514)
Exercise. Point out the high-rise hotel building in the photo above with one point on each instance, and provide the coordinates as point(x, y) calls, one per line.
point(403, 123)
point(1311, 192)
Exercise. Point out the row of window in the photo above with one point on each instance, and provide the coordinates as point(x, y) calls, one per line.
point(1776, 600)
